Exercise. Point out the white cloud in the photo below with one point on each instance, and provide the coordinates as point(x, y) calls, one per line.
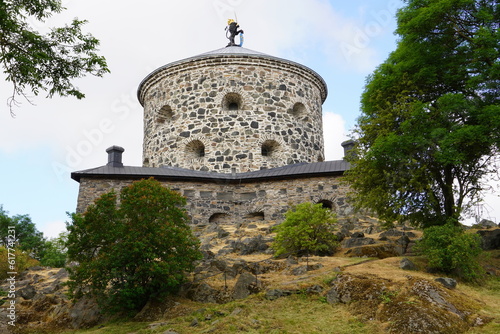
point(334, 135)
point(52, 229)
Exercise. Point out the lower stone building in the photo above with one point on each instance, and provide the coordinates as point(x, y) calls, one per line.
point(228, 198)
point(239, 133)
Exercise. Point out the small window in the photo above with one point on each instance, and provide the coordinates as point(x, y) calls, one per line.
point(195, 149)
point(219, 218)
point(232, 101)
point(269, 148)
point(164, 114)
point(298, 110)
point(326, 204)
point(254, 216)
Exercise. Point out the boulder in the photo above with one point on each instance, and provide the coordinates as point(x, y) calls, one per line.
point(380, 251)
point(85, 313)
point(221, 233)
point(485, 223)
point(490, 239)
point(406, 264)
point(27, 292)
point(301, 270)
point(356, 242)
point(447, 282)
point(154, 310)
point(402, 244)
point(314, 289)
point(413, 306)
point(274, 294)
point(204, 293)
point(246, 285)
point(253, 245)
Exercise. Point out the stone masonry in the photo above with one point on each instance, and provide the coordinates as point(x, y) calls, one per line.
point(235, 112)
point(215, 202)
point(237, 132)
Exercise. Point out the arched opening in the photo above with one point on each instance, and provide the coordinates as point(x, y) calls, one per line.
point(219, 218)
point(254, 216)
point(195, 149)
point(298, 110)
point(269, 148)
point(165, 114)
point(326, 204)
point(232, 102)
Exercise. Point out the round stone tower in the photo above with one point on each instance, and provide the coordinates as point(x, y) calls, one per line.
point(232, 110)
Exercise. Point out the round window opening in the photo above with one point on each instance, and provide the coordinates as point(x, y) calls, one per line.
point(232, 102)
point(195, 149)
point(269, 148)
point(164, 114)
point(326, 204)
point(298, 109)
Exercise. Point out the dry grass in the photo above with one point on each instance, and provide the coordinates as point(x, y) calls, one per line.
point(300, 313)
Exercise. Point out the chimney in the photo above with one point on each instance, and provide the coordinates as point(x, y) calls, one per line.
point(348, 146)
point(115, 156)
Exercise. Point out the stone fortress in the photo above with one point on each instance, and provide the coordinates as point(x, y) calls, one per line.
point(237, 132)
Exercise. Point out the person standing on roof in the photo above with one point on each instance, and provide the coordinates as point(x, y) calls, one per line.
point(232, 28)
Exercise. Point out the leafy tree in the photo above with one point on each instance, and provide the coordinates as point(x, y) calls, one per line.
point(128, 253)
point(54, 252)
point(452, 251)
point(44, 62)
point(429, 132)
point(307, 228)
point(26, 238)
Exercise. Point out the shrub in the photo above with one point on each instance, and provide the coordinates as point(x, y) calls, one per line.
point(130, 253)
point(307, 228)
point(21, 262)
point(54, 252)
point(449, 249)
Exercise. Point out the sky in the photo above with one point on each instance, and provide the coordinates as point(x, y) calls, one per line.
point(343, 41)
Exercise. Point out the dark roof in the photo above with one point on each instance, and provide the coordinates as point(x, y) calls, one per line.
point(231, 51)
point(301, 170)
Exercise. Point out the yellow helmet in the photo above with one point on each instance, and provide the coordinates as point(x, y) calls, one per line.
point(230, 21)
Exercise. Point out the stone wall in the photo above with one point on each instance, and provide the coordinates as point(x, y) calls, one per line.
point(236, 203)
point(232, 114)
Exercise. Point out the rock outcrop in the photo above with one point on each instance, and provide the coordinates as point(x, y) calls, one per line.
point(415, 306)
point(41, 302)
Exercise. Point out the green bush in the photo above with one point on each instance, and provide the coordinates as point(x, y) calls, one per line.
point(134, 251)
point(307, 229)
point(450, 250)
point(54, 252)
point(20, 262)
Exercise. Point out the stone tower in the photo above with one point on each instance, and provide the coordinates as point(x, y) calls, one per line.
point(238, 133)
point(232, 110)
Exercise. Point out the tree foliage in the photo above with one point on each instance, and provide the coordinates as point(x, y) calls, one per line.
point(47, 62)
point(54, 252)
point(26, 236)
point(452, 251)
point(307, 229)
point(429, 132)
point(21, 261)
point(128, 253)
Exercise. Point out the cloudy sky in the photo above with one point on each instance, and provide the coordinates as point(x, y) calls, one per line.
point(341, 40)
